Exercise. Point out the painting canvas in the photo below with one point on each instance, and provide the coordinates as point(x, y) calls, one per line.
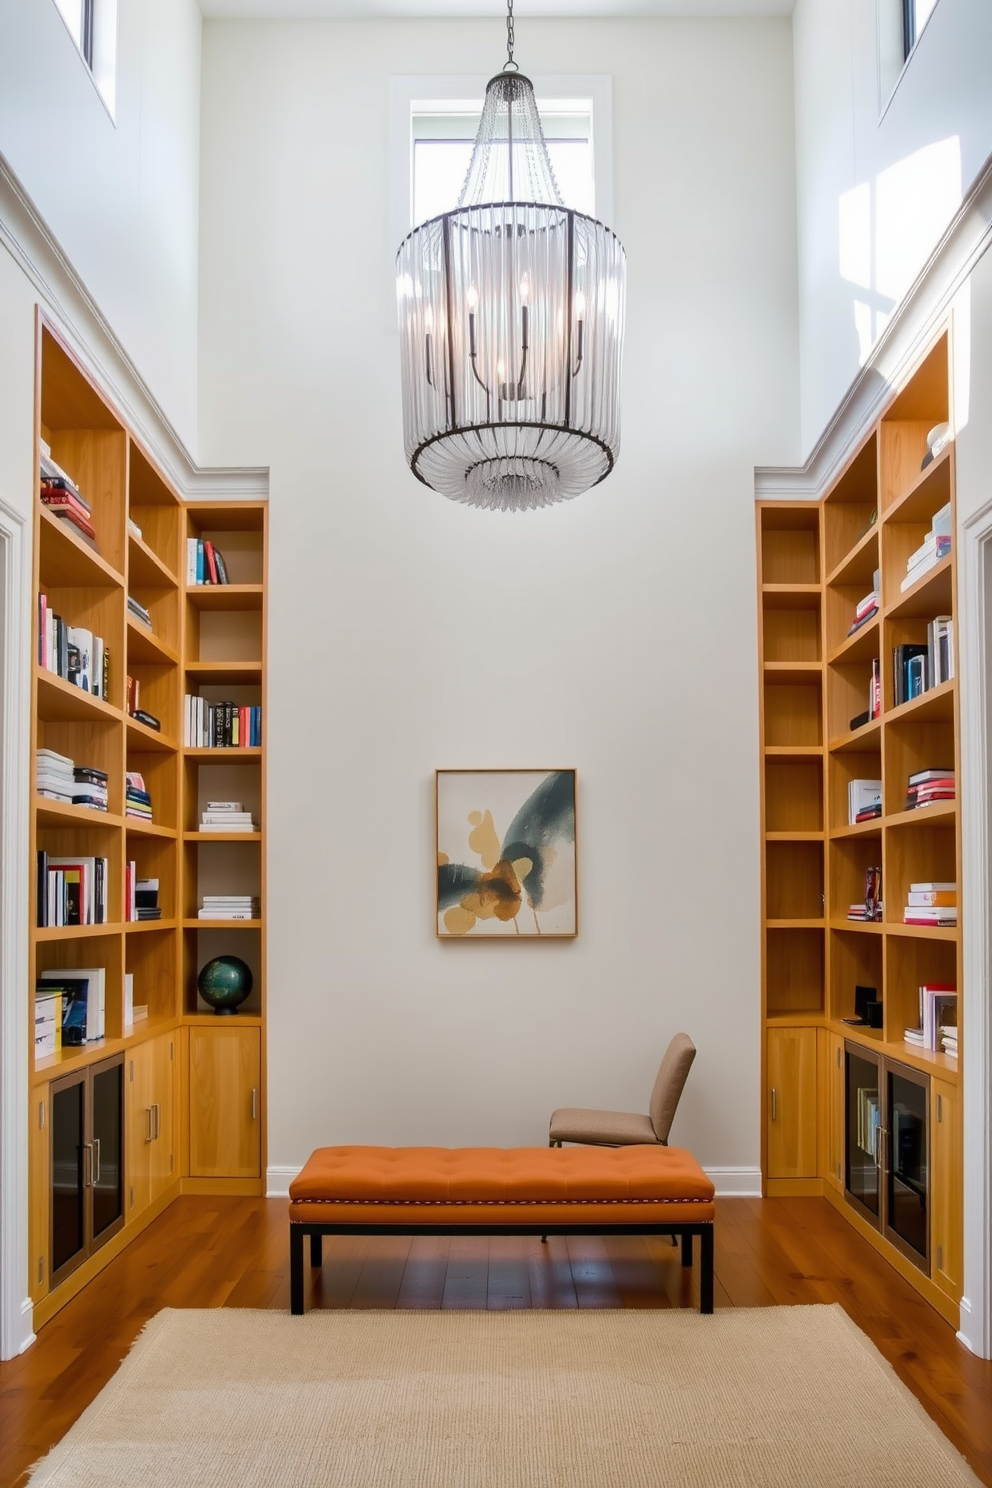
point(506, 854)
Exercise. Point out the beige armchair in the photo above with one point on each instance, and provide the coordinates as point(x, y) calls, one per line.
point(626, 1128)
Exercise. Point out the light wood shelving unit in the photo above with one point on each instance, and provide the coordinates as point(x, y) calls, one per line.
point(816, 560)
point(194, 1107)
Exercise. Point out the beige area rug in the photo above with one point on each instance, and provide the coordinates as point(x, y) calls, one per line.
point(784, 1396)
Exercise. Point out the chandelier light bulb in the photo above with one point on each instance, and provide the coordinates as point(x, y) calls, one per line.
point(509, 401)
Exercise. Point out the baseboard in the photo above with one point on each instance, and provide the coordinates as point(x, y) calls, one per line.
point(277, 1181)
point(736, 1183)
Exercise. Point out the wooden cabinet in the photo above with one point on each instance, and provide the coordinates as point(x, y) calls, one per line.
point(224, 1106)
point(791, 1108)
point(151, 1145)
point(830, 1107)
point(86, 1163)
point(946, 1214)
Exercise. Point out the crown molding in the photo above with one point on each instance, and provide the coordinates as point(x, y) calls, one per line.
point(916, 322)
point(70, 307)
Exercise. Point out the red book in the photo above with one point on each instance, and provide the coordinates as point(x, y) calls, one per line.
point(243, 727)
point(208, 558)
point(76, 518)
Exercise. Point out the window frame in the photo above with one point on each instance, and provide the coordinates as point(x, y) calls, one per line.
point(97, 47)
point(410, 93)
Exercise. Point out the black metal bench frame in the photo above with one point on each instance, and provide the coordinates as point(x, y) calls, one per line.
point(299, 1229)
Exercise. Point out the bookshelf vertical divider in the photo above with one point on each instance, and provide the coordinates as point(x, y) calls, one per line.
point(817, 563)
point(191, 1113)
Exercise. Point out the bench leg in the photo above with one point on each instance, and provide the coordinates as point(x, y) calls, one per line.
point(295, 1269)
point(686, 1247)
point(316, 1248)
point(706, 1270)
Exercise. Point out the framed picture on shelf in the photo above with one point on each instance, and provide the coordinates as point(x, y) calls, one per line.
point(505, 854)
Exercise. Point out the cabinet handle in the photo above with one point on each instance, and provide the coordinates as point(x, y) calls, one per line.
point(158, 1120)
point(774, 1104)
point(149, 1125)
point(87, 1165)
point(940, 1107)
point(254, 1104)
point(96, 1161)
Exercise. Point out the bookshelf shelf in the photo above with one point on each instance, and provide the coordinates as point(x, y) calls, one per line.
point(66, 559)
point(59, 701)
point(63, 814)
point(861, 646)
point(152, 964)
point(875, 517)
point(144, 645)
point(145, 568)
point(141, 738)
point(226, 596)
point(790, 596)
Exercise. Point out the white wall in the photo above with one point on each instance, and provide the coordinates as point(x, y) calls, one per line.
point(874, 192)
point(120, 198)
point(615, 634)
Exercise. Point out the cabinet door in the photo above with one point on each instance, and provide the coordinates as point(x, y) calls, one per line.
point(224, 1111)
point(107, 1149)
point(163, 1147)
point(39, 1214)
point(830, 1107)
point(791, 1103)
point(67, 1193)
point(140, 1129)
point(946, 1218)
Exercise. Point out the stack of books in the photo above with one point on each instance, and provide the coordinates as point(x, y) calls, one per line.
point(72, 890)
point(229, 907)
point(84, 1001)
point(204, 563)
point(56, 780)
point(209, 725)
point(133, 696)
point(949, 1042)
point(864, 801)
point(929, 786)
point(146, 905)
point(867, 608)
point(870, 908)
point(61, 496)
point(137, 801)
point(72, 651)
point(931, 904)
point(935, 546)
point(90, 787)
point(47, 1022)
point(938, 1018)
point(940, 650)
point(137, 609)
point(227, 816)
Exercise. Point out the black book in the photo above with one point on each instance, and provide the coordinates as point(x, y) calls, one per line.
point(42, 890)
point(91, 774)
point(148, 719)
point(861, 720)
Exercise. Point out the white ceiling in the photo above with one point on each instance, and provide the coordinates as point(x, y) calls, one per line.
point(286, 10)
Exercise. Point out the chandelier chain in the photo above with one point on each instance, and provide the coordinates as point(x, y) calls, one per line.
point(509, 65)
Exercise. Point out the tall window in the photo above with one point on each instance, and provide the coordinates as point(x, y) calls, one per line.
point(78, 17)
point(92, 24)
point(915, 14)
point(443, 136)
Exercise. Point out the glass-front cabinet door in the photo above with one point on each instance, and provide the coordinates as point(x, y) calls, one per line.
point(907, 1169)
point(863, 1137)
point(87, 1168)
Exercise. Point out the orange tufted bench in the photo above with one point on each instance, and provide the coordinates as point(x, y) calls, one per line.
point(638, 1190)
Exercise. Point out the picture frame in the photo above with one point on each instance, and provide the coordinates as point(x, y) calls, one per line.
point(506, 865)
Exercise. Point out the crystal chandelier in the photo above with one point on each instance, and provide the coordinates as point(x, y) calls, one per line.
point(511, 325)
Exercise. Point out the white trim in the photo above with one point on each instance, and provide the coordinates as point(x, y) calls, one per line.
point(735, 1183)
point(72, 309)
point(975, 604)
point(15, 1309)
point(919, 316)
point(405, 89)
point(278, 1179)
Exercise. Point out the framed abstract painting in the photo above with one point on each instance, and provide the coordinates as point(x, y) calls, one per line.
point(506, 865)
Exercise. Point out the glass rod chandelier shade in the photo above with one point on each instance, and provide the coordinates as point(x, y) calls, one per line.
point(511, 315)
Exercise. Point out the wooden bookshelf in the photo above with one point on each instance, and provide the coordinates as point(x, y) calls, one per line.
point(816, 561)
point(211, 639)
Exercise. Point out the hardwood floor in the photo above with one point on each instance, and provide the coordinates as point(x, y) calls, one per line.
point(234, 1253)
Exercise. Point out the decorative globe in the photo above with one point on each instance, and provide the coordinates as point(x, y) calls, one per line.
point(224, 983)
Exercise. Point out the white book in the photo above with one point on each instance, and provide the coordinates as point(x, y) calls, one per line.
point(227, 826)
point(191, 560)
point(56, 758)
point(861, 794)
point(227, 914)
point(98, 666)
point(225, 806)
point(82, 639)
point(96, 997)
point(128, 1000)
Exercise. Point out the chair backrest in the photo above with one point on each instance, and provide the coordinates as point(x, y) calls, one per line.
point(668, 1085)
